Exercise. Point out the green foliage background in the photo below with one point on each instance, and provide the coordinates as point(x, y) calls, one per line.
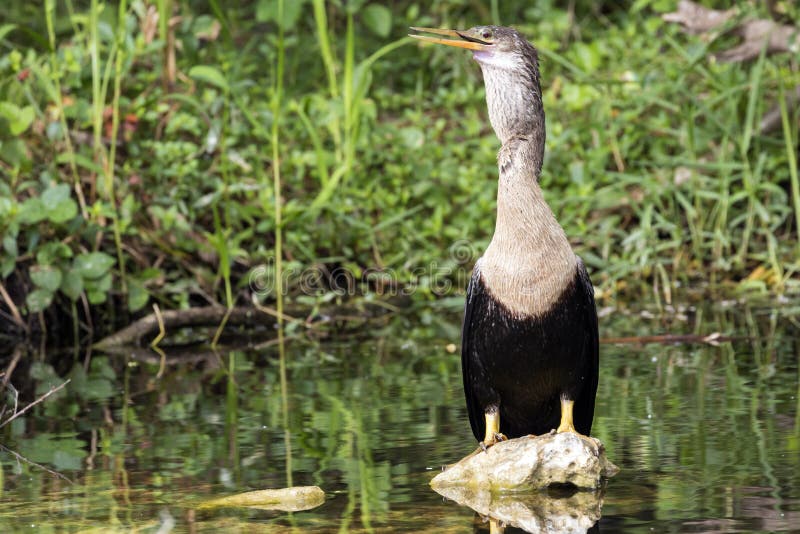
point(137, 158)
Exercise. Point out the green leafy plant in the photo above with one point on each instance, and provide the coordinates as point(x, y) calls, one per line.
point(188, 146)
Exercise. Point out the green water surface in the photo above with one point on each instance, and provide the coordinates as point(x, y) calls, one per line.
point(707, 436)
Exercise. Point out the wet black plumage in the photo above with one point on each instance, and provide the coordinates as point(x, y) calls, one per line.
point(525, 365)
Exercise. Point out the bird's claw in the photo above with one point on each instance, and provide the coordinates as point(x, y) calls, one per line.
point(497, 437)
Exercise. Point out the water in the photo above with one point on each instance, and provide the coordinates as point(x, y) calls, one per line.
point(707, 437)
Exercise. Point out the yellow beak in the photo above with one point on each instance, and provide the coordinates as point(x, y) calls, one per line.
point(469, 45)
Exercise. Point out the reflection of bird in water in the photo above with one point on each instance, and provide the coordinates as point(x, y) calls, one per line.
point(494, 526)
point(529, 343)
point(555, 511)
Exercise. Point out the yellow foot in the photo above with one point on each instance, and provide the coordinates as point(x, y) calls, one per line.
point(566, 428)
point(492, 435)
point(496, 437)
point(566, 424)
point(496, 526)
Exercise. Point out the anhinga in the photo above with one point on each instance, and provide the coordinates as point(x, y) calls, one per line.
point(529, 350)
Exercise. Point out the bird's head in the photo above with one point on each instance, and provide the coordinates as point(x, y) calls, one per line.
point(510, 68)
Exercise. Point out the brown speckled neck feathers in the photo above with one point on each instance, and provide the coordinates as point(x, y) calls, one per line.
point(529, 262)
point(514, 95)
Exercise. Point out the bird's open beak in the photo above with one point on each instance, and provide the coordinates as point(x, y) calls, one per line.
point(463, 41)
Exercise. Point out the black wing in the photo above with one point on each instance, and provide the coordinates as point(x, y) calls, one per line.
point(474, 410)
point(584, 407)
point(478, 315)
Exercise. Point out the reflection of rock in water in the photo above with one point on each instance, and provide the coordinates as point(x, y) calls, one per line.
point(506, 484)
point(540, 512)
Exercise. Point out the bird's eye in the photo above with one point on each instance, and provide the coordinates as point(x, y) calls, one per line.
point(486, 34)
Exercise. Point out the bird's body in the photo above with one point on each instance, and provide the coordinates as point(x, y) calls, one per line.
point(523, 366)
point(529, 338)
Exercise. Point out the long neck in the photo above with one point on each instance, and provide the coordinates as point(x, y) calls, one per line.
point(514, 101)
point(526, 228)
point(529, 261)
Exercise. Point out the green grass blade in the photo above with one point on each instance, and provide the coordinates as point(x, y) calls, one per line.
point(752, 101)
point(321, 20)
point(791, 155)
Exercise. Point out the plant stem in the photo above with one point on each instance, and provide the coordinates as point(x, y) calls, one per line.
point(56, 73)
point(347, 97)
point(97, 99)
point(791, 156)
point(321, 19)
point(276, 169)
point(110, 171)
point(276, 173)
point(495, 13)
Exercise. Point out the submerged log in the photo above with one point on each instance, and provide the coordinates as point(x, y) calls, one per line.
point(213, 316)
point(531, 463)
point(173, 319)
point(292, 499)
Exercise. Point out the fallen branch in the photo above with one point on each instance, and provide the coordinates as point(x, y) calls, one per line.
point(173, 319)
point(246, 316)
point(697, 19)
point(273, 312)
point(755, 33)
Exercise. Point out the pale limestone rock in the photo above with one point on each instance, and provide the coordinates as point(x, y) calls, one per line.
point(292, 499)
point(530, 463)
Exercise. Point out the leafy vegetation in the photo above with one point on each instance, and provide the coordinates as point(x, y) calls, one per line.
point(159, 152)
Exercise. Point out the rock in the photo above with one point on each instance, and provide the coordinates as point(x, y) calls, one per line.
point(531, 463)
point(535, 511)
point(292, 499)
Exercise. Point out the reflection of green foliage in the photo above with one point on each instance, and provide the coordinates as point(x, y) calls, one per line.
point(63, 453)
point(701, 417)
point(368, 419)
point(98, 384)
point(178, 408)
